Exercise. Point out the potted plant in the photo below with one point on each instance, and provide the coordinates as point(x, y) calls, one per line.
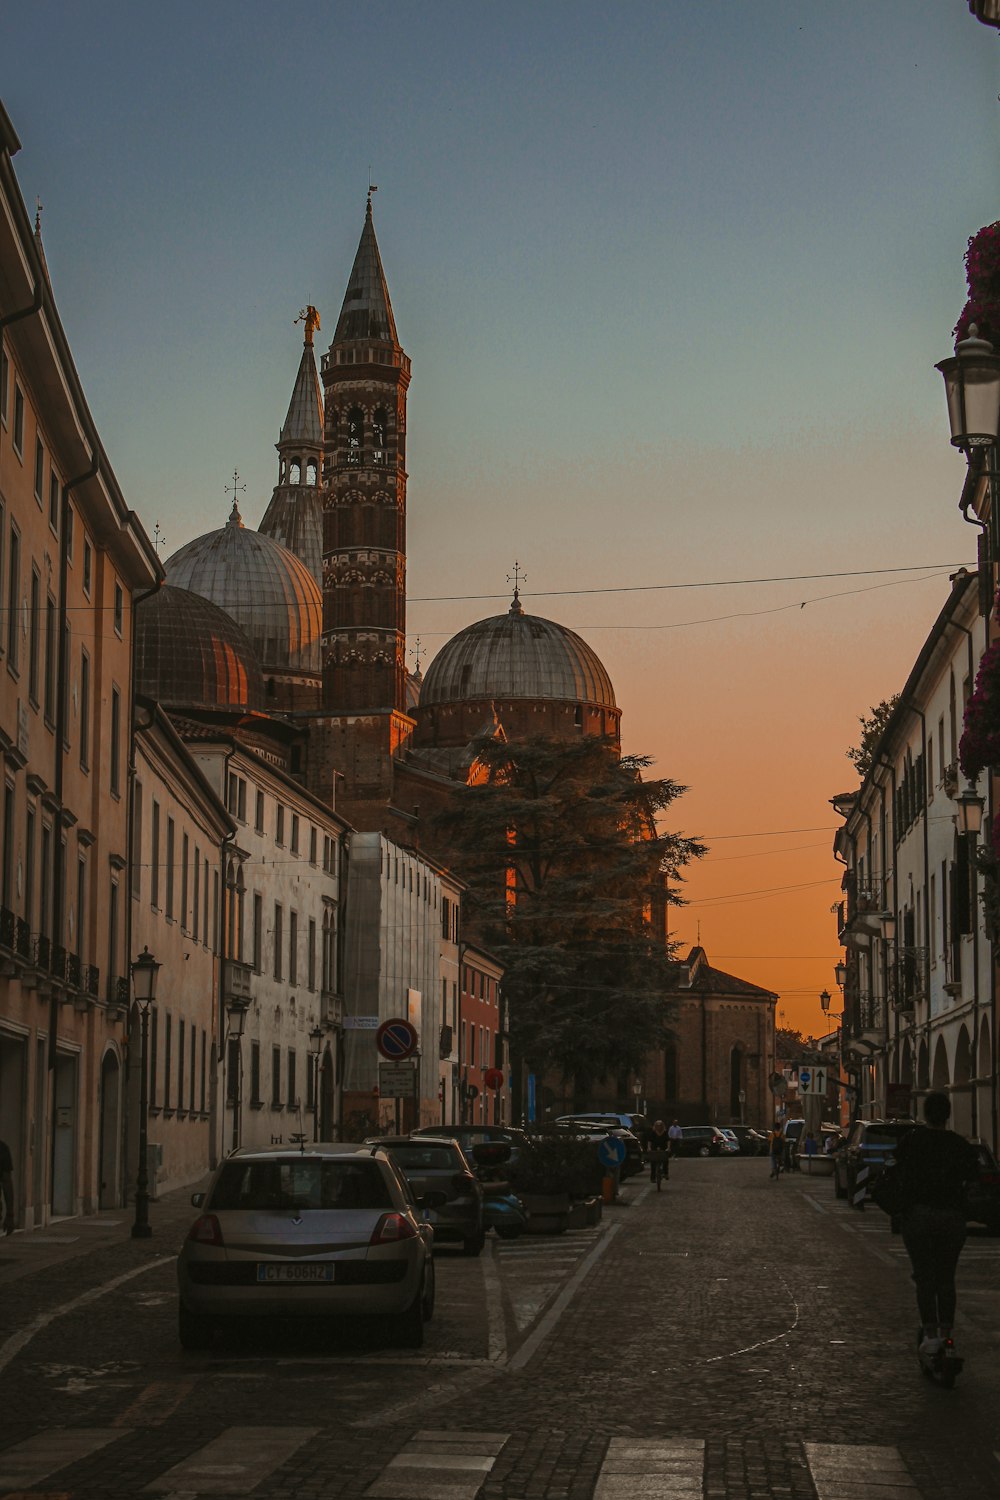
point(551, 1170)
point(979, 746)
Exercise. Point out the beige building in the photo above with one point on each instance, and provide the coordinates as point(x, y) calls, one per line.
point(74, 559)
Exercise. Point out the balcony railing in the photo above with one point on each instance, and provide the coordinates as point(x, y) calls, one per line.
point(8, 927)
point(92, 980)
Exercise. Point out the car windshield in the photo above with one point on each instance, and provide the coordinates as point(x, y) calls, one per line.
point(884, 1135)
point(419, 1157)
point(300, 1183)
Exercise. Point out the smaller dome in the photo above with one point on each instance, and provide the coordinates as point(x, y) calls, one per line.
point(263, 586)
point(190, 653)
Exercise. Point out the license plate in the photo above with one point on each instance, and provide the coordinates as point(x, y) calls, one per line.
point(293, 1272)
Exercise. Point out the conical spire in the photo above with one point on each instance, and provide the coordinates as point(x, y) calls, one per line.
point(304, 422)
point(367, 311)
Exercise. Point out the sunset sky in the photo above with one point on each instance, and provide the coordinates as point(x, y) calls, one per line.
point(673, 279)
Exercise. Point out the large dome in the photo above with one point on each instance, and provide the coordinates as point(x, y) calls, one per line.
point(516, 656)
point(190, 653)
point(263, 586)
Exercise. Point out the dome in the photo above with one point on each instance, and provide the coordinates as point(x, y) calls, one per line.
point(189, 652)
point(264, 587)
point(516, 656)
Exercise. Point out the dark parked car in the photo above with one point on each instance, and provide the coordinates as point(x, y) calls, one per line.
point(468, 1136)
point(982, 1197)
point(700, 1140)
point(752, 1142)
point(587, 1125)
point(870, 1144)
point(433, 1164)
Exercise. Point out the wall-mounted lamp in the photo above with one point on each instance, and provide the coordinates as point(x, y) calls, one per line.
point(969, 816)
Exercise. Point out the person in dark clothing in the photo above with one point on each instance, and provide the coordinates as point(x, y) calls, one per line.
point(933, 1166)
point(7, 1187)
point(658, 1149)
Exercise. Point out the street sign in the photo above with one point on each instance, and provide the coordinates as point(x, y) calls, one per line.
point(493, 1078)
point(812, 1080)
point(611, 1151)
point(397, 1080)
point(361, 1023)
point(396, 1040)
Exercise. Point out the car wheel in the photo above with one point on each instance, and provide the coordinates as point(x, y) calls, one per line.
point(410, 1328)
point(194, 1332)
point(508, 1231)
point(474, 1246)
point(704, 1150)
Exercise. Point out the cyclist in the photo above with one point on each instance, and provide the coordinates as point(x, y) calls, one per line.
point(777, 1150)
point(658, 1146)
point(933, 1165)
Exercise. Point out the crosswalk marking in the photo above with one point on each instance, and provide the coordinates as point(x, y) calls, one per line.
point(542, 1265)
point(842, 1471)
point(439, 1464)
point(235, 1462)
point(37, 1457)
point(655, 1467)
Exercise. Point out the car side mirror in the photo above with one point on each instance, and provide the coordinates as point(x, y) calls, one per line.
point(197, 1199)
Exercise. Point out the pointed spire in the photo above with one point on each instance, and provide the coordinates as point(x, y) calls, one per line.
point(367, 311)
point(304, 422)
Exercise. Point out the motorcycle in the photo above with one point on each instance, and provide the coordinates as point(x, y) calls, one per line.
point(503, 1210)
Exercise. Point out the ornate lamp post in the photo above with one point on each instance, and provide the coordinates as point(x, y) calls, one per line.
point(969, 817)
point(236, 1012)
point(144, 972)
point(987, 11)
point(315, 1052)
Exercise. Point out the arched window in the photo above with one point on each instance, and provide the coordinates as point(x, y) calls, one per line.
point(355, 434)
point(311, 471)
point(295, 471)
point(379, 426)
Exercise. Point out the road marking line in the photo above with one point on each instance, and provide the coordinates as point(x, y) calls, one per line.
point(235, 1462)
point(439, 1464)
point(496, 1336)
point(17, 1341)
point(551, 1318)
point(37, 1457)
point(819, 1207)
point(655, 1467)
point(714, 1358)
point(155, 1404)
point(842, 1470)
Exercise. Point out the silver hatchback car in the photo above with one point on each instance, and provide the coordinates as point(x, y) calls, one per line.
point(323, 1232)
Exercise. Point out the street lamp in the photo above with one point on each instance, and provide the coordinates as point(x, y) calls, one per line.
point(824, 1000)
point(315, 1051)
point(840, 974)
point(236, 1012)
point(972, 390)
point(987, 11)
point(144, 972)
point(969, 817)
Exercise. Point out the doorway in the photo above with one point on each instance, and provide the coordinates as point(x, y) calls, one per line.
point(64, 1142)
point(108, 1194)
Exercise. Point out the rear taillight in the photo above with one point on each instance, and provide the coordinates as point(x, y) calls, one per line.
point(463, 1182)
point(990, 1179)
point(392, 1228)
point(206, 1230)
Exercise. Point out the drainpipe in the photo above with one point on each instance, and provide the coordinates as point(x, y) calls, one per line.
point(974, 882)
point(223, 1031)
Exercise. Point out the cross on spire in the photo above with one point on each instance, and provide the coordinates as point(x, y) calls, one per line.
point(39, 208)
point(372, 188)
point(416, 651)
point(517, 578)
point(159, 539)
point(237, 489)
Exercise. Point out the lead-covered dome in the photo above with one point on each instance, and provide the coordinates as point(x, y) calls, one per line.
point(517, 656)
point(189, 653)
point(263, 586)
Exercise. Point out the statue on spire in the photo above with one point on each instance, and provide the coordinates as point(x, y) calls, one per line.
point(310, 317)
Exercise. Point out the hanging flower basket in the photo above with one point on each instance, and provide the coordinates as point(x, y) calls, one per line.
point(982, 269)
point(979, 746)
point(988, 865)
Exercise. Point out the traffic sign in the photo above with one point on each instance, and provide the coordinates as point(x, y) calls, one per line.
point(396, 1040)
point(812, 1080)
point(397, 1080)
point(611, 1151)
point(493, 1078)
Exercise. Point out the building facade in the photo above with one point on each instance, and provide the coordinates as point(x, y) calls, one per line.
point(74, 559)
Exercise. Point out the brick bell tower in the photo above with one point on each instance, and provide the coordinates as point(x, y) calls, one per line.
point(365, 378)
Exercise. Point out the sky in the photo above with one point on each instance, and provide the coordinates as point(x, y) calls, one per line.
point(673, 279)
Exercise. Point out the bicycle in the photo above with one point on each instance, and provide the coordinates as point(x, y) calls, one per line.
point(660, 1163)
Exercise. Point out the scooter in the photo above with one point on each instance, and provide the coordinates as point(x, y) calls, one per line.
point(503, 1210)
point(941, 1364)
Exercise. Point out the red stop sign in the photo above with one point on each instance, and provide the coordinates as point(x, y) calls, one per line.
point(493, 1078)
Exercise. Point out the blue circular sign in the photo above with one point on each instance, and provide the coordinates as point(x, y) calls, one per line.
point(611, 1151)
point(396, 1040)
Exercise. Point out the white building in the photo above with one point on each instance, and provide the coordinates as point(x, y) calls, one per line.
point(918, 989)
point(411, 972)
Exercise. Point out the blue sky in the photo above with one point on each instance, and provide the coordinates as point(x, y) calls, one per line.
point(673, 279)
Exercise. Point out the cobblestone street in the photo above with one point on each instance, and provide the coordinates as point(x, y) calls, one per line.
point(730, 1338)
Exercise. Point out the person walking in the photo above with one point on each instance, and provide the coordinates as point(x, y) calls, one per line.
point(658, 1146)
point(7, 1187)
point(776, 1148)
point(933, 1166)
point(676, 1135)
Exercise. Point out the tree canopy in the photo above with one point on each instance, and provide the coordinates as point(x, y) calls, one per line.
point(569, 877)
point(872, 728)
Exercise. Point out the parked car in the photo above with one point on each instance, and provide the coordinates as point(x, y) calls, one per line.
point(700, 1140)
point(468, 1136)
point(638, 1124)
point(982, 1197)
point(438, 1164)
point(730, 1141)
point(634, 1158)
point(871, 1143)
point(308, 1234)
point(794, 1137)
point(751, 1142)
